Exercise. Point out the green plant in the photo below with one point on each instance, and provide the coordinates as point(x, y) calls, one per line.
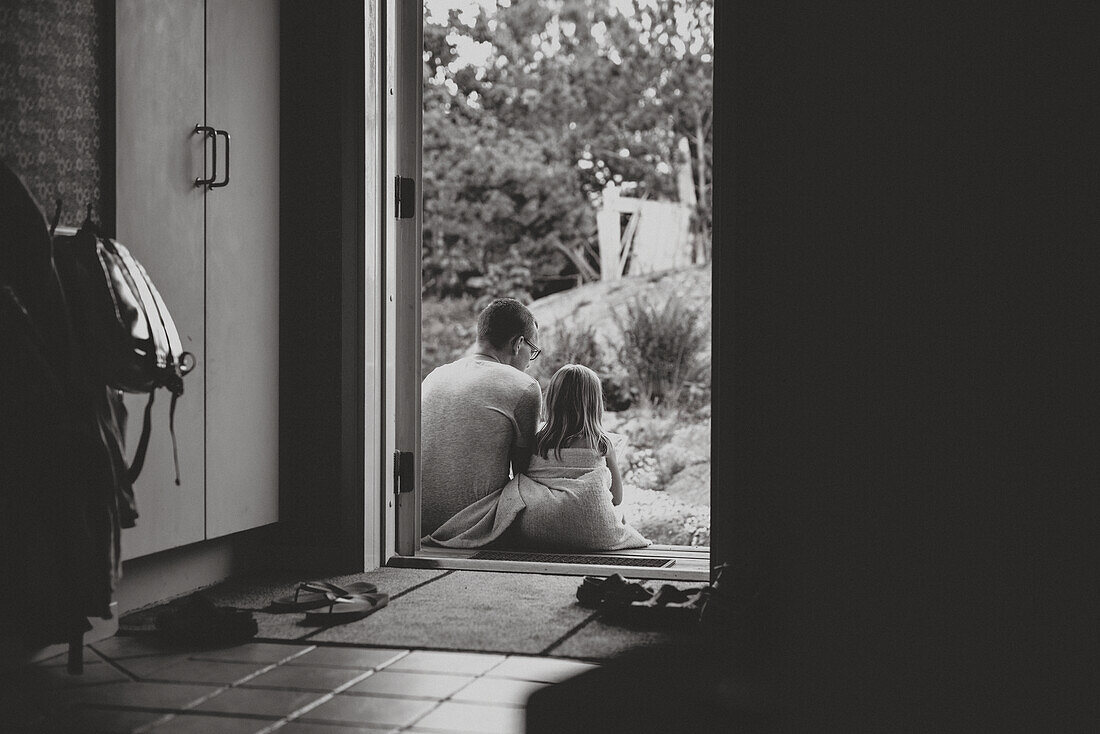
point(506, 278)
point(618, 391)
point(447, 329)
point(661, 347)
point(570, 342)
point(695, 397)
point(574, 343)
point(519, 143)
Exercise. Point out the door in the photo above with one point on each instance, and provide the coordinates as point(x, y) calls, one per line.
point(242, 267)
point(160, 218)
point(403, 152)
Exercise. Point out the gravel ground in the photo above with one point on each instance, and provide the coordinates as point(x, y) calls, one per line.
point(664, 519)
point(651, 501)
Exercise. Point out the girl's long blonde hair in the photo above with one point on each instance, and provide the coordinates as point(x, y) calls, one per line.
point(574, 408)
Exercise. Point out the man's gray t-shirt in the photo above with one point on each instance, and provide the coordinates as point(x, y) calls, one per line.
point(473, 411)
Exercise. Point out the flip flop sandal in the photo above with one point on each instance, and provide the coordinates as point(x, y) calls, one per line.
point(313, 594)
point(348, 608)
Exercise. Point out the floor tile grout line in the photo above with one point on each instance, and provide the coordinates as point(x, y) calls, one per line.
point(576, 628)
point(113, 664)
point(218, 691)
point(450, 697)
point(457, 650)
point(328, 696)
point(358, 679)
point(381, 646)
point(344, 687)
point(398, 595)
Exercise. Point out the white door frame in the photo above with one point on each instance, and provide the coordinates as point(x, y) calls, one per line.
point(404, 29)
point(377, 419)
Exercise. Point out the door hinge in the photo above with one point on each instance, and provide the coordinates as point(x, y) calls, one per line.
point(404, 197)
point(404, 472)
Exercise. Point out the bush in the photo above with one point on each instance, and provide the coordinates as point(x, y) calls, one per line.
point(570, 343)
point(660, 349)
point(448, 327)
point(573, 343)
point(509, 277)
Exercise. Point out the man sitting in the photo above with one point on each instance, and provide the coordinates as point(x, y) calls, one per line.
point(479, 414)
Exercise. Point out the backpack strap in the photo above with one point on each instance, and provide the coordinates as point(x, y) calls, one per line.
point(172, 430)
point(143, 442)
point(146, 430)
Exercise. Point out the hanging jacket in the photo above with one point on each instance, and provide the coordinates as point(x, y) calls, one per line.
point(61, 499)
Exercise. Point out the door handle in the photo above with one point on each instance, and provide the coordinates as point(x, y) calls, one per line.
point(210, 133)
point(225, 181)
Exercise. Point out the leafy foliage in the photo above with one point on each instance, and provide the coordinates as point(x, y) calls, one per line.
point(661, 347)
point(447, 329)
point(573, 343)
point(510, 277)
point(571, 95)
point(578, 343)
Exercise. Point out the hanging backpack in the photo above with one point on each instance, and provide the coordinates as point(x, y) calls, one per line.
point(128, 332)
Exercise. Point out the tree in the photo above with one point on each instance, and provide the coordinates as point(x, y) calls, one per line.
point(572, 95)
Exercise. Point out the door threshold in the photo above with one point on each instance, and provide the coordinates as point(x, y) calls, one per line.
point(684, 562)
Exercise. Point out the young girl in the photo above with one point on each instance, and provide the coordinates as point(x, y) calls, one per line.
point(574, 412)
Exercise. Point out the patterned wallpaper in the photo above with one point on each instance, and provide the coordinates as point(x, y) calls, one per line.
point(57, 102)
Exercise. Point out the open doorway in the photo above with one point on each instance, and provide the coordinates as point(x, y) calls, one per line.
point(564, 153)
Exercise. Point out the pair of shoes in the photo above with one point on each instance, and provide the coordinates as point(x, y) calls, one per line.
point(610, 592)
point(197, 622)
point(348, 608)
point(668, 607)
point(313, 594)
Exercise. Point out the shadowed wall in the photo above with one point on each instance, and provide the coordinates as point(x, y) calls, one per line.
point(57, 103)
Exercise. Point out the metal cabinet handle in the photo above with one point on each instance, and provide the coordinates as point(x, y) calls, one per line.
point(210, 133)
point(225, 181)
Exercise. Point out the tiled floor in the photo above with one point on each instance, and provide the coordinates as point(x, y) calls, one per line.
point(448, 654)
point(130, 684)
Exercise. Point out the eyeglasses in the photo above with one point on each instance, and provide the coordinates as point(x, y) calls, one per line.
point(535, 351)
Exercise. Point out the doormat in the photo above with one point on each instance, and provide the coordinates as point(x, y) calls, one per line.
point(573, 558)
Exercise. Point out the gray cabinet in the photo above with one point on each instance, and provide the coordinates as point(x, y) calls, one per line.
point(213, 253)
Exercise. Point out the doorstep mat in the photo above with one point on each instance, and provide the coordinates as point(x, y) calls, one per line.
point(573, 558)
point(483, 611)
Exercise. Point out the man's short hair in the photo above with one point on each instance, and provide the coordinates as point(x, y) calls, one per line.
point(503, 320)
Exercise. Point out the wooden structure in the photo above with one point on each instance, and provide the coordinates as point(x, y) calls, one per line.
point(657, 235)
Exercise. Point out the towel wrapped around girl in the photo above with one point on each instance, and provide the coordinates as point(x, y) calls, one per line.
point(559, 504)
